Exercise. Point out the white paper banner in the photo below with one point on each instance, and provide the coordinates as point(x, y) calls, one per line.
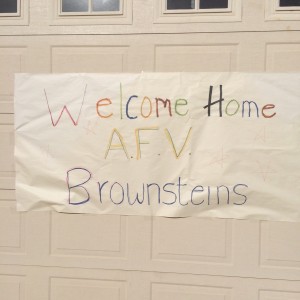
point(165, 144)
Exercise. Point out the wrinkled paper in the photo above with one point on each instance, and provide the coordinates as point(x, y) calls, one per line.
point(164, 144)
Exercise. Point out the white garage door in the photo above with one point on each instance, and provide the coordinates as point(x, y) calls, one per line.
point(51, 256)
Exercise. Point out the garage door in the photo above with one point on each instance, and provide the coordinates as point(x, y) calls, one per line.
point(51, 256)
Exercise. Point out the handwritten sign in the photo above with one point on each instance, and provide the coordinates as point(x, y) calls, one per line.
point(166, 144)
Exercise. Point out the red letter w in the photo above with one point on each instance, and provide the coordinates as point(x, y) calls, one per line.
point(54, 123)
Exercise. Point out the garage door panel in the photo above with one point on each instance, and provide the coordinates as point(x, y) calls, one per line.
point(12, 60)
point(283, 57)
point(192, 239)
point(7, 163)
point(89, 59)
point(280, 245)
point(276, 295)
point(88, 235)
point(77, 289)
point(191, 292)
point(193, 58)
point(12, 228)
point(12, 287)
